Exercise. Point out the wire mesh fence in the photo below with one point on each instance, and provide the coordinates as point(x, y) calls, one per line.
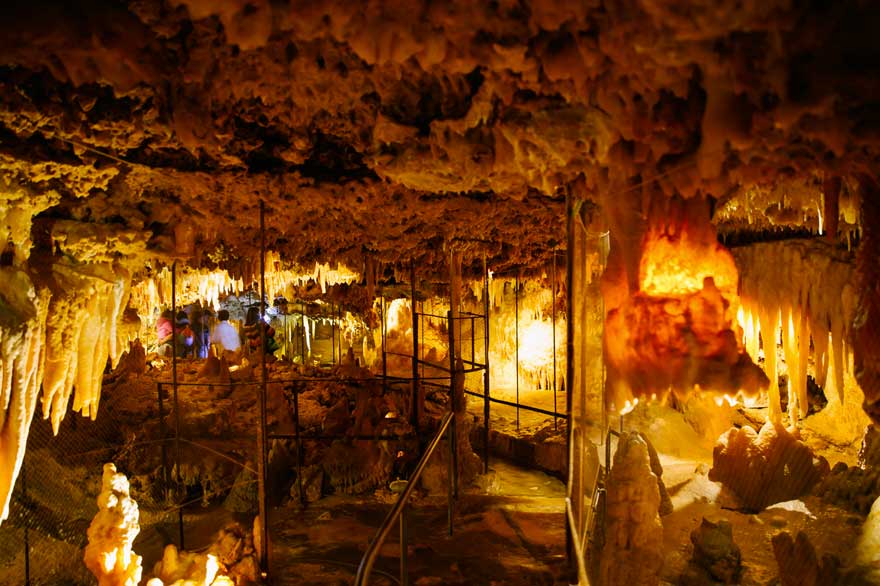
point(54, 499)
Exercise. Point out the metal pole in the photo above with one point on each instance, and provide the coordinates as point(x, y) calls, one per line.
point(404, 547)
point(569, 355)
point(486, 401)
point(451, 361)
point(414, 414)
point(299, 472)
point(27, 537)
point(473, 340)
point(384, 355)
point(166, 476)
point(454, 441)
point(516, 324)
point(263, 464)
point(449, 479)
point(333, 332)
point(302, 336)
point(176, 402)
point(553, 301)
point(451, 438)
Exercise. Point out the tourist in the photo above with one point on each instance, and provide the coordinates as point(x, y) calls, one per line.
point(185, 335)
point(225, 337)
point(164, 333)
point(252, 331)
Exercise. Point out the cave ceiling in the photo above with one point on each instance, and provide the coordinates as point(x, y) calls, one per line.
point(400, 129)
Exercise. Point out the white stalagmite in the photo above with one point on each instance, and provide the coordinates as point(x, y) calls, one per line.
point(109, 554)
point(803, 288)
point(22, 334)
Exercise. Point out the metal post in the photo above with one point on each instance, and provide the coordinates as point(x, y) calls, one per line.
point(414, 413)
point(451, 361)
point(384, 355)
point(263, 464)
point(299, 472)
point(166, 475)
point(516, 324)
point(454, 441)
point(404, 547)
point(553, 298)
point(302, 336)
point(486, 401)
point(180, 489)
point(569, 355)
point(473, 340)
point(27, 537)
point(451, 469)
point(333, 332)
point(449, 478)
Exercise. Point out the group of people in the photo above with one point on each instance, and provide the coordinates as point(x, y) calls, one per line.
point(194, 337)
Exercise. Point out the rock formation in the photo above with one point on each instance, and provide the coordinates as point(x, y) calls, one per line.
point(868, 545)
point(385, 133)
point(109, 555)
point(766, 467)
point(632, 553)
point(855, 487)
point(230, 561)
point(657, 469)
point(716, 559)
point(799, 564)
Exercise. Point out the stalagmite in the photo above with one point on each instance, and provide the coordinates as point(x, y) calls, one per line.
point(765, 467)
point(22, 356)
point(634, 534)
point(109, 554)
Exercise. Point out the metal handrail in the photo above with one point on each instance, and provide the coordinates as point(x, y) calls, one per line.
point(577, 545)
point(366, 565)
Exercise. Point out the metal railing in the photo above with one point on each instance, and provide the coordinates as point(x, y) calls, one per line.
point(398, 511)
point(590, 536)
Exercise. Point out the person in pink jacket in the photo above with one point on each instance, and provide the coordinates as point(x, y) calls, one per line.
point(164, 332)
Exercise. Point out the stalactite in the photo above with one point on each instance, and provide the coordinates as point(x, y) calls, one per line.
point(81, 334)
point(22, 356)
point(805, 289)
point(535, 334)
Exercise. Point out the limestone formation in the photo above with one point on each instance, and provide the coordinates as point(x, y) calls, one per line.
point(855, 487)
point(869, 452)
point(230, 561)
point(868, 545)
point(765, 467)
point(716, 559)
point(632, 553)
point(851, 488)
point(657, 469)
point(142, 133)
point(779, 290)
point(109, 554)
point(799, 564)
